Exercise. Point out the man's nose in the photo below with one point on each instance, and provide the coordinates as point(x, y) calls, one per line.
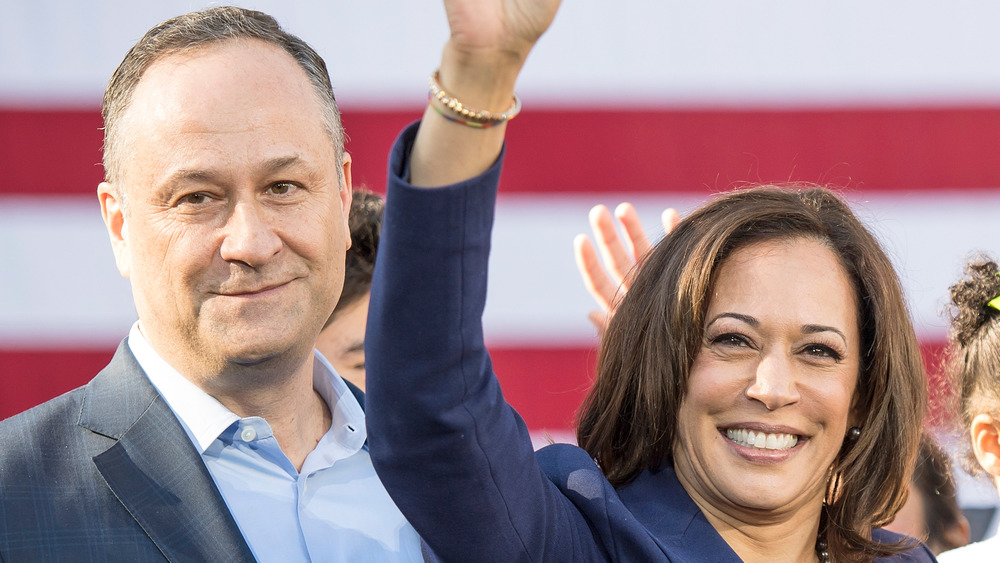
point(249, 236)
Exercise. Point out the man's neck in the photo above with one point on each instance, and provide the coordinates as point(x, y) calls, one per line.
point(297, 414)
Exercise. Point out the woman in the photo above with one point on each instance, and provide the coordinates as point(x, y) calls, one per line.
point(758, 397)
point(975, 368)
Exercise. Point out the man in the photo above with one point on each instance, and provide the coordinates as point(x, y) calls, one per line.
point(216, 433)
point(342, 340)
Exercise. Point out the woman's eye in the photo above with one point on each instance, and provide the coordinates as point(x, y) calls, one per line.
point(821, 351)
point(731, 340)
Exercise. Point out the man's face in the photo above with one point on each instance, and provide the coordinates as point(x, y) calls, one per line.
point(235, 230)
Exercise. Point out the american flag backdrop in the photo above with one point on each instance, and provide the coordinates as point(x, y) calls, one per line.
point(659, 102)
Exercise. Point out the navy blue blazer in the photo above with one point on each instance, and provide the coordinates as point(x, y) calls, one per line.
point(455, 457)
point(107, 473)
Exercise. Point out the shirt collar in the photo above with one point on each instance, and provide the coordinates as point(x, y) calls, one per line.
point(347, 433)
point(204, 418)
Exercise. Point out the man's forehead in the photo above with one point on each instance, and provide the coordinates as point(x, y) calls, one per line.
point(245, 79)
point(244, 53)
point(237, 101)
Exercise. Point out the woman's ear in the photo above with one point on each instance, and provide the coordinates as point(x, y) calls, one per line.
point(854, 417)
point(986, 443)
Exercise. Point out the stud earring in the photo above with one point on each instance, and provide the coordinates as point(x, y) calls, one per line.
point(854, 433)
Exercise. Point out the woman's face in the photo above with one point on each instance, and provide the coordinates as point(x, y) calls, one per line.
point(770, 392)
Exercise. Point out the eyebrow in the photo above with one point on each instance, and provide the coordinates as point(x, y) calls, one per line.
point(358, 346)
point(280, 163)
point(752, 321)
point(813, 329)
point(270, 166)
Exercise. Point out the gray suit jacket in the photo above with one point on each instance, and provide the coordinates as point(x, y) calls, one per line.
point(107, 473)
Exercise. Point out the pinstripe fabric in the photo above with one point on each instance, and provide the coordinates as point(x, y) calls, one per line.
point(106, 473)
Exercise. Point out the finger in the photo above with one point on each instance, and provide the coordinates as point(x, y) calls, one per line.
point(617, 259)
point(600, 322)
point(595, 279)
point(639, 243)
point(670, 219)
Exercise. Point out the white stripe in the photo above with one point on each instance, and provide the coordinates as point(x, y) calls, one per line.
point(641, 51)
point(59, 286)
point(58, 283)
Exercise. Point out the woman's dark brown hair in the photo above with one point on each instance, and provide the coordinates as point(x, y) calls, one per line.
point(628, 420)
point(974, 356)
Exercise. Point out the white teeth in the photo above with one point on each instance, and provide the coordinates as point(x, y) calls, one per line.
point(762, 440)
point(772, 442)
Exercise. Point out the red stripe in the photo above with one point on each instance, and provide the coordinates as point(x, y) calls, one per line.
point(57, 152)
point(50, 152)
point(30, 377)
point(545, 385)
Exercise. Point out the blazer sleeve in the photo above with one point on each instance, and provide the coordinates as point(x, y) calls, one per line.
point(454, 456)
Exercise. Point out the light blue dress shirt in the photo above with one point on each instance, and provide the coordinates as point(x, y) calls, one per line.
point(335, 509)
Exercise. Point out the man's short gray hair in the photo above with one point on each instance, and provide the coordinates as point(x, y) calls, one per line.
point(198, 29)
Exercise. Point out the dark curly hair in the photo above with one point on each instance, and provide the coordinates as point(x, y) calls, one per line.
point(974, 357)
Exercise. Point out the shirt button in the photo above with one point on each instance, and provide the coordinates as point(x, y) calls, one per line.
point(248, 434)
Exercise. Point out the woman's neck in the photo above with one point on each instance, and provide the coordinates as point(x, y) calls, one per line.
point(774, 542)
point(787, 536)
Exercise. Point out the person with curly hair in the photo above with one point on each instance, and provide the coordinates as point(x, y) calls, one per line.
point(974, 367)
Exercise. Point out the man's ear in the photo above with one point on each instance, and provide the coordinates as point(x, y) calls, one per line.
point(346, 193)
point(986, 443)
point(114, 220)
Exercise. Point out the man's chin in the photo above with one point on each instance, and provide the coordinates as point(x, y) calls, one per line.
point(262, 356)
point(253, 349)
point(258, 357)
point(254, 361)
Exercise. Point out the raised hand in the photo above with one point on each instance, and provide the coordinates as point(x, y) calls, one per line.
point(489, 42)
point(498, 26)
point(622, 258)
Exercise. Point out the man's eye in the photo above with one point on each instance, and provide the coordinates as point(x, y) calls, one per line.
point(282, 188)
point(195, 198)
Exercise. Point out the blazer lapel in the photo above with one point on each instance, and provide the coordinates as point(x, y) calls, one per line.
point(357, 392)
point(154, 470)
point(663, 507)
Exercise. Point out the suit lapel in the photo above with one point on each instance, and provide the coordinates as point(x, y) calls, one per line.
point(357, 392)
point(660, 503)
point(154, 470)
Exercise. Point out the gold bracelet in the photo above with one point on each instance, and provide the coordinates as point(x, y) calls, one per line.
point(464, 114)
